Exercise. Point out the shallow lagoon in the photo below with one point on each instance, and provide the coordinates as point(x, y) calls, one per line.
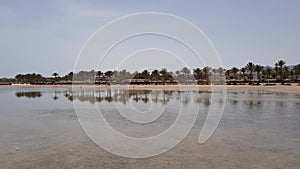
point(39, 129)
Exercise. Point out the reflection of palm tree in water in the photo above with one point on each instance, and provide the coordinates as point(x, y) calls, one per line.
point(145, 98)
point(165, 99)
point(186, 100)
point(55, 97)
point(69, 96)
point(206, 102)
point(234, 101)
point(108, 97)
point(280, 104)
point(155, 99)
point(117, 96)
point(28, 94)
point(251, 104)
point(136, 98)
point(124, 96)
point(198, 100)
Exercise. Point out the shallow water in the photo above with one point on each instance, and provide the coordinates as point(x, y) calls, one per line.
point(39, 128)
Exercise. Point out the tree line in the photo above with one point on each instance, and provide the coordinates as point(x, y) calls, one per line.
point(249, 74)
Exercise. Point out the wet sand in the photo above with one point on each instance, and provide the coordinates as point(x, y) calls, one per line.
point(221, 151)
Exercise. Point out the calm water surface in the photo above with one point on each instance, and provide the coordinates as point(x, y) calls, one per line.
point(39, 129)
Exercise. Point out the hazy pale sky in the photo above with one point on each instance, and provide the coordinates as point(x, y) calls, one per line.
point(46, 36)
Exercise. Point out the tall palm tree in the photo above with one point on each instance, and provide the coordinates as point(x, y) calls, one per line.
point(281, 63)
point(186, 72)
point(206, 71)
point(250, 68)
point(258, 69)
point(197, 74)
point(267, 72)
point(19, 78)
point(99, 75)
point(228, 72)
point(109, 75)
point(55, 74)
point(296, 70)
point(145, 74)
point(69, 76)
point(243, 70)
point(155, 75)
point(214, 71)
point(163, 75)
point(286, 72)
point(276, 70)
point(234, 70)
point(221, 76)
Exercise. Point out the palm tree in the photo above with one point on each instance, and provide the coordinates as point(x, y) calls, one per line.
point(92, 75)
point(145, 74)
point(267, 72)
point(281, 63)
point(19, 78)
point(69, 76)
point(296, 70)
point(99, 74)
point(234, 70)
point(155, 75)
point(163, 75)
point(250, 68)
point(197, 74)
point(109, 75)
point(186, 72)
point(206, 71)
point(286, 72)
point(227, 72)
point(258, 69)
point(276, 70)
point(55, 74)
point(243, 70)
point(214, 71)
point(221, 76)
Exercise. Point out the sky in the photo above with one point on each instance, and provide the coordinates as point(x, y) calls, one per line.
point(47, 36)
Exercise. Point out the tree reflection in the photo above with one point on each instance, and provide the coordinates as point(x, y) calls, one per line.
point(55, 97)
point(120, 95)
point(124, 96)
point(206, 102)
point(253, 104)
point(234, 101)
point(29, 94)
point(280, 104)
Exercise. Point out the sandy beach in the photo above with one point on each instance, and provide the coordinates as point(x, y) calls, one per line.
point(293, 88)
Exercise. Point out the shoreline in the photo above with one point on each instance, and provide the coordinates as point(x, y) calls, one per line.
point(293, 88)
